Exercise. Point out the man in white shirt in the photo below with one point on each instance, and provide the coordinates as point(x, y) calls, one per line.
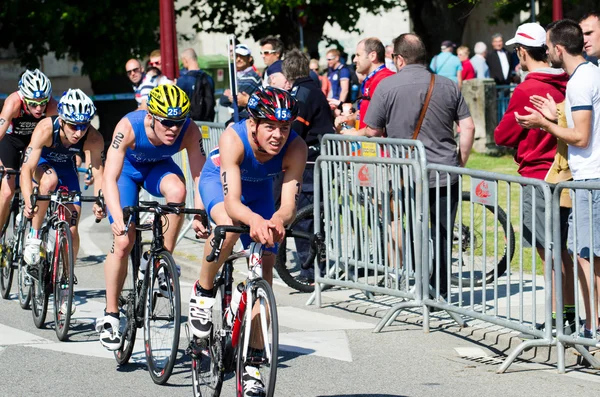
point(498, 61)
point(582, 109)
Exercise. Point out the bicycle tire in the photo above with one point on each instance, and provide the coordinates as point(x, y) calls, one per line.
point(263, 293)
point(63, 282)
point(23, 290)
point(290, 272)
point(6, 268)
point(124, 352)
point(161, 369)
point(40, 293)
point(504, 257)
point(207, 365)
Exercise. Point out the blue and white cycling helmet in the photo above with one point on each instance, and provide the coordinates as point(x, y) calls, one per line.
point(75, 107)
point(35, 85)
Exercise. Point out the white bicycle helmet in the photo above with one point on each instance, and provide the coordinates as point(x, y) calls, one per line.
point(75, 107)
point(35, 85)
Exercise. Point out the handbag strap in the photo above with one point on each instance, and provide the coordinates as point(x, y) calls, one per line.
point(424, 109)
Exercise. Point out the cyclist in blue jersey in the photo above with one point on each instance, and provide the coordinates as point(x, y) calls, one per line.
point(237, 186)
point(21, 112)
point(140, 156)
point(49, 163)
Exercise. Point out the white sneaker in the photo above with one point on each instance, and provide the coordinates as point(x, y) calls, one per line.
point(200, 314)
point(162, 283)
point(110, 333)
point(252, 382)
point(63, 309)
point(31, 253)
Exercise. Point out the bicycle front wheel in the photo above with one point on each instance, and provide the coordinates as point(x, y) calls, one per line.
point(474, 250)
point(208, 354)
point(162, 317)
point(40, 292)
point(258, 343)
point(6, 266)
point(63, 282)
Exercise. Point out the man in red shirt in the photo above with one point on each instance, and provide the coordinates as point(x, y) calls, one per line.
point(468, 71)
point(370, 61)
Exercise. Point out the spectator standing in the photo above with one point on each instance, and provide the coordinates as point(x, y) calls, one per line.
point(536, 148)
point(314, 120)
point(395, 109)
point(323, 80)
point(156, 61)
point(370, 62)
point(276, 77)
point(498, 61)
point(389, 60)
point(582, 134)
point(248, 81)
point(447, 64)
point(271, 49)
point(479, 62)
point(142, 84)
point(468, 72)
point(202, 105)
point(339, 77)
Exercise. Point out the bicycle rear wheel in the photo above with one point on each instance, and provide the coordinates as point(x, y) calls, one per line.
point(473, 247)
point(127, 302)
point(288, 271)
point(264, 333)
point(207, 354)
point(63, 282)
point(6, 243)
point(162, 318)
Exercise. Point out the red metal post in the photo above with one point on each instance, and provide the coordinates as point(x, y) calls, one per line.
point(168, 39)
point(557, 10)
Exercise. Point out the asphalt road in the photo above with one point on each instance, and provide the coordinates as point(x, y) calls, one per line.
point(330, 351)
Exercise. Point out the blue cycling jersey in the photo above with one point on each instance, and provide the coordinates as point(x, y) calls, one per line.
point(145, 152)
point(58, 154)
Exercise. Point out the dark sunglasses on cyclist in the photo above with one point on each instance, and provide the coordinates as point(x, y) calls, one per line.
point(80, 127)
point(133, 71)
point(170, 123)
point(35, 104)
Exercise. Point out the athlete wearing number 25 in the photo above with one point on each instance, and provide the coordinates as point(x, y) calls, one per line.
point(140, 155)
point(237, 187)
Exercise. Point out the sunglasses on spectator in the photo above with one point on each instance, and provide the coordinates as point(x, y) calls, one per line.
point(267, 52)
point(331, 59)
point(35, 104)
point(168, 123)
point(157, 63)
point(133, 71)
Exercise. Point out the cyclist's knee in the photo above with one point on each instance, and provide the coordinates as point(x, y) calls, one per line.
point(122, 246)
point(8, 188)
point(48, 183)
point(176, 194)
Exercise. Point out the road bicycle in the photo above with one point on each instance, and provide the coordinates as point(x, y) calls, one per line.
point(11, 246)
point(55, 272)
point(152, 301)
point(467, 245)
point(228, 347)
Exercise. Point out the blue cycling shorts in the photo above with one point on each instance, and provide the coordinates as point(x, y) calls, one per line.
point(67, 175)
point(148, 175)
point(258, 196)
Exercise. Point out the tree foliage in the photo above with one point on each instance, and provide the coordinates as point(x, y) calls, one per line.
point(102, 34)
point(259, 18)
point(506, 10)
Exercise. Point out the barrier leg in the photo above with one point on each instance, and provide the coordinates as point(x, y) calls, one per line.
point(560, 361)
point(391, 315)
point(522, 347)
point(594, 362)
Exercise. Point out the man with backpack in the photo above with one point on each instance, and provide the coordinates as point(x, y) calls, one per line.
point(198, 86)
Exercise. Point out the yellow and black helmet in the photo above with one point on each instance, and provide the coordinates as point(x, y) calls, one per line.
point(168, 101)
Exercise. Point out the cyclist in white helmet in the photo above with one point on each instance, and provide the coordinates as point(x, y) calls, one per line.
point(49, 163)
point(21, 112)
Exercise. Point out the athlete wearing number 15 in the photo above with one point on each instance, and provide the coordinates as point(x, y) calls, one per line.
point(140, 155)
point(237, 187)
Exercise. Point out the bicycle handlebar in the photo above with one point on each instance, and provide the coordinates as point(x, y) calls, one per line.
point(65, 196)
point(169, 208)
point(219, 233)
point(5, 171)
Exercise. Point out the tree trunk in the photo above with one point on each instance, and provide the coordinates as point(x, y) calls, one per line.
point(434, 21)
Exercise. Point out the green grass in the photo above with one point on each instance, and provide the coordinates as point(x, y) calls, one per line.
point(505, 165)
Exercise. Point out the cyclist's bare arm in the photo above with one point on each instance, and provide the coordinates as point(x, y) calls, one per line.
point(294, 163)
point(93, 147)
point(123, 138)
point(41, 137)
point(10, 110)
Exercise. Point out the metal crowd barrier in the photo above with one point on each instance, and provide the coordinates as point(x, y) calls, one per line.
point(479, 248)
point(581, 235)
point(211, 132)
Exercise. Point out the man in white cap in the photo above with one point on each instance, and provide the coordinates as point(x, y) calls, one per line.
point(535, 148)
point(248, 81)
